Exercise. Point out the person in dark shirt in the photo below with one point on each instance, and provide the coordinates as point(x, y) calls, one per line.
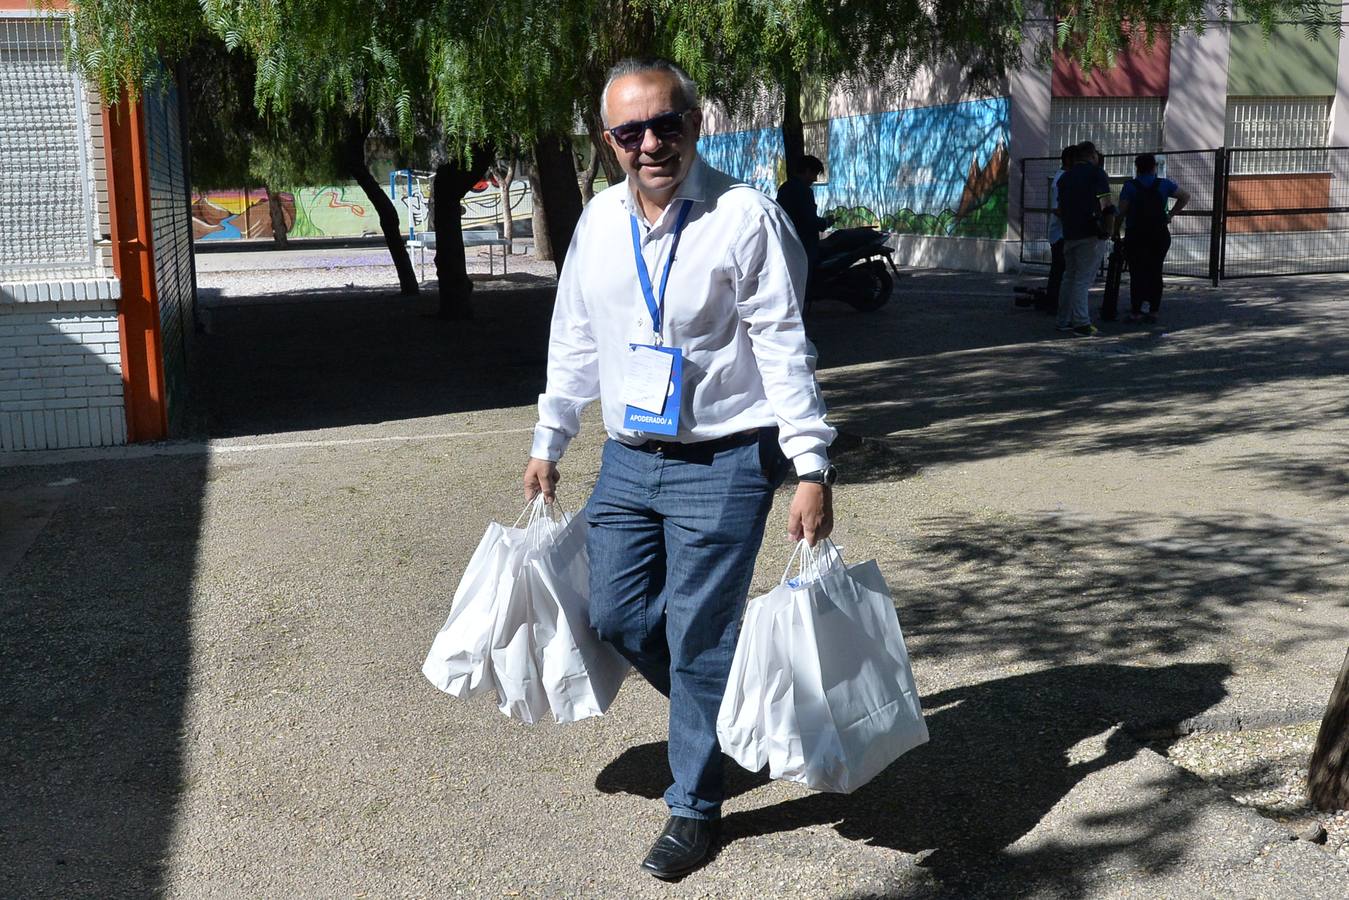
point(1147, 234)
point(798, 201)
point(1088, 216)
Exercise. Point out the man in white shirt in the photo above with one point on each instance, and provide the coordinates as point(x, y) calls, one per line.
point(679, 307)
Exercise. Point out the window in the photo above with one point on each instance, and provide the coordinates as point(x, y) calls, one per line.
point(1116, 125)
point(1282, 122)
point(46, 199)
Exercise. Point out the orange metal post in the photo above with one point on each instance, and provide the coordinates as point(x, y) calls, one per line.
point(134, 263)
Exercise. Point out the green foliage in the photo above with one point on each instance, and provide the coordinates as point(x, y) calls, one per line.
point(988, 220)
point(514, 69)
point(121, 44)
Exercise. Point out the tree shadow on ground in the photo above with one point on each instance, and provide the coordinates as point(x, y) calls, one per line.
point(949, 371)
point(1002, 753)
point(1054, 589)
point(323, 359)
point(957, 375)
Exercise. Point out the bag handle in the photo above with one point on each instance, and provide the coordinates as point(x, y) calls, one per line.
point(812, 562)
point(539, 508)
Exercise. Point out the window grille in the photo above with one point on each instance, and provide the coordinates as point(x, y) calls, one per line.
point(46, 198)
point(1116, 125)
point(1283, 122)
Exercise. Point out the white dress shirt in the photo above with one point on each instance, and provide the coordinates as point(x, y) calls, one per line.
point(732, 307)
point(1055, 223)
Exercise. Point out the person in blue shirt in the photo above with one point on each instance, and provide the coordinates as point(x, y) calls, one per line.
point(1088, 214)
point(1147, 235)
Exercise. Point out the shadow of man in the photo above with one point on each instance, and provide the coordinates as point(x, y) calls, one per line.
point(997, 762)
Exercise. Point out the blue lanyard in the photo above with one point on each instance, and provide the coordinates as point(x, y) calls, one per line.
point(654, 304)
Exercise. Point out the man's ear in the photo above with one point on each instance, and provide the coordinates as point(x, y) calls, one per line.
point(696, 117)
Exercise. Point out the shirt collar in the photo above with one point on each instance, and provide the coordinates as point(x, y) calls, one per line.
point(693, 187)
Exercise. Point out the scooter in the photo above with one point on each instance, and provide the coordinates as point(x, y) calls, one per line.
point(852, 269)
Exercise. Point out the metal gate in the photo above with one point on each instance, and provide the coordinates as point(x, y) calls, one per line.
point(1286, 212)
point(1275, 211)
point(1194, 232)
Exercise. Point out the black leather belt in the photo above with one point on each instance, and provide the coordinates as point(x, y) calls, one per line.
point(701, 448)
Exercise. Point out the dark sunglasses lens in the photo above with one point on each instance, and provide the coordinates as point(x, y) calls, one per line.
point(629, 136)
point(668, 126)
point(665, 127)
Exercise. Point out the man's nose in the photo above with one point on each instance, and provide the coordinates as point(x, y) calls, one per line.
point(649, 141)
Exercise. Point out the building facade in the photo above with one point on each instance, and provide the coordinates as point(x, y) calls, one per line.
point(957, 174)
point(97, 290)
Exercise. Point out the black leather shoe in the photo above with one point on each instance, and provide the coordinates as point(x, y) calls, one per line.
point(683, 846)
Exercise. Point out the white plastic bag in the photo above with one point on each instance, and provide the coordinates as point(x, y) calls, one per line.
point(520, 624)
point(821, 690)
point(581, 673)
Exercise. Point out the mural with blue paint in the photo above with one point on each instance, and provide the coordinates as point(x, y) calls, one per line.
point(755, 157)
point(938, 170)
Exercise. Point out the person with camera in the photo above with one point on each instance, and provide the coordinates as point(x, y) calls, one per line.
point(1087, 211)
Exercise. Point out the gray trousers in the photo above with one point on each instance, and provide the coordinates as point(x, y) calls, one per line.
point(1081, 260)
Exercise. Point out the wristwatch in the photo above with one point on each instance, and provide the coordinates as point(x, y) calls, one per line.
point(826, 476)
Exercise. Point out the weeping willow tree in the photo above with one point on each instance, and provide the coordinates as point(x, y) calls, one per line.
point(471, 75)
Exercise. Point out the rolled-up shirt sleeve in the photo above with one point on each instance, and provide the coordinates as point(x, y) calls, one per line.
point(770, 268)
point(573, 366)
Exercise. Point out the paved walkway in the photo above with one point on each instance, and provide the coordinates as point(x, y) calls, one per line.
point(209, 670)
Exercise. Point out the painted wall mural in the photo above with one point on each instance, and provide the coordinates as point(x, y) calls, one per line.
point(938, 170)
point(340, 210)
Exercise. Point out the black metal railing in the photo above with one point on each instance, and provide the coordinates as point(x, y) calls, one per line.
point(1245, 217)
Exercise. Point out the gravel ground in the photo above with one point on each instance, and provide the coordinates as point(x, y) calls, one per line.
point(1265, 769)
point(291, 272)
point(210, 659)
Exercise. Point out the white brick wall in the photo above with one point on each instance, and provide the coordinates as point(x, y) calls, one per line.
point(60, 376)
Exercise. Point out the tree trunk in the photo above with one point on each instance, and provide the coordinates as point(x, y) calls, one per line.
point(452, 181)
point(793, 135)
point(1328, 774)
point(353, 159)
point(278, 218)
point(588, 179)
point(559, 193)
point(543, 247)
point(507, 217)
point(613, 173)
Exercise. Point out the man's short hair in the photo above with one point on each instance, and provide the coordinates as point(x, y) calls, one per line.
point(1086, 152)
point(1145, 162)
point(810, 165)
point(688, 88)
point(1069, 155)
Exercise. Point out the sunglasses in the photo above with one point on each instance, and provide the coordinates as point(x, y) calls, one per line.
point(666, 127)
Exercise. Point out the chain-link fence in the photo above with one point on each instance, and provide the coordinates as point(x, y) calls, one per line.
point(1285, 220)
point(1269, 211)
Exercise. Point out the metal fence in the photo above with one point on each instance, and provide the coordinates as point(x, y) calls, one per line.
point(1248, 214)
point(1277, 222)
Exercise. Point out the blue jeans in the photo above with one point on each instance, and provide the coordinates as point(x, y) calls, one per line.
point(673, 539)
